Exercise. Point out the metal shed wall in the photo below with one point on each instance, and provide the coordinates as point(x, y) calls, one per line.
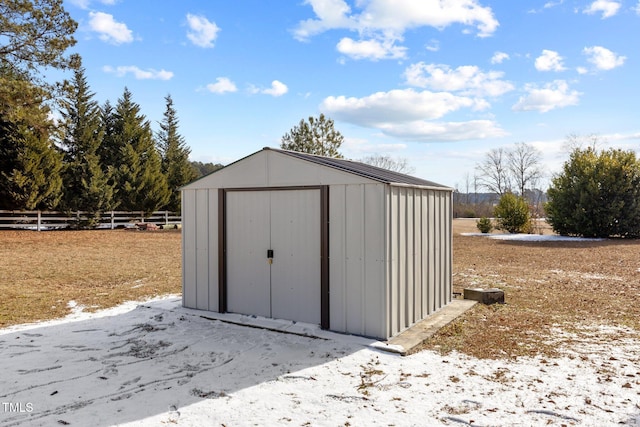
point(357, 259)
point(200, 249)
point(419, 253)
point(390, 246)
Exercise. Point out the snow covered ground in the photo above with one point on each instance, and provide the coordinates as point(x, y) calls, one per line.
point(533, 237)
point(157, 364)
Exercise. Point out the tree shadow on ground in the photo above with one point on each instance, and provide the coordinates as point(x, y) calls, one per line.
point(151, 360)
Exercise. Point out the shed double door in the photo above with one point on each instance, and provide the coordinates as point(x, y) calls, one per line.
point(286, 222)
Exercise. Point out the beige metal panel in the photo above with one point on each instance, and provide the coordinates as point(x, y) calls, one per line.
point(375, 310)
point(437, 266)
point(284, 170)
point(402, 258)
point(393, 261)
point(189, 248)
point(417, 255)
point(250, 172)
point(202, 249)
point(213, 251)
point(410, 261)
point(337, 259)
point(431, 219)
point(448, 228)
point(388, 274)
point(354, 252)
point(424, 253)
point(248, 229)
point(295, 240)
point(273, 169)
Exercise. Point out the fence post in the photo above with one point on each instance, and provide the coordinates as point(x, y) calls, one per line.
point(166, 217)
point(39, 221)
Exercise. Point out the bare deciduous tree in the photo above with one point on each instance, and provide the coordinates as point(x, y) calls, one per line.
point(493, 172)
point(387, 162)
point(524, 166)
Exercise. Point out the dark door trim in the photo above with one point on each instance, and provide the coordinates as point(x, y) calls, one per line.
point(324, 246)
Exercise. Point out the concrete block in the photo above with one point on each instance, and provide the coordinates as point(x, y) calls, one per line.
point(485, 296)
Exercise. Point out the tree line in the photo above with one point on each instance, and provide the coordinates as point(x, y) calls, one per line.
point(94, 158)
point(596, 194)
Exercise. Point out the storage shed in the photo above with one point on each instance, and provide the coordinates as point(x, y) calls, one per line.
point(345, 245)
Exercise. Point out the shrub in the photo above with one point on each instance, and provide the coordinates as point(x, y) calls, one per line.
point(596, 195)
point(484, 225)
point(512, 214)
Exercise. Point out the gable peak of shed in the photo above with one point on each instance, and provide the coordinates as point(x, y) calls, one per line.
point(361, 169)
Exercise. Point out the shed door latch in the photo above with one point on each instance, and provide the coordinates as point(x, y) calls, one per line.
point(270, 256)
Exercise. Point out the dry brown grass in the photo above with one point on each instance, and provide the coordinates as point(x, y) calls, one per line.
point(547, 285)
point(41, 272)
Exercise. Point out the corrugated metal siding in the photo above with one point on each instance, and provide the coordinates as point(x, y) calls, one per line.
point(419, 254)
point(248, 238)
point(357, 259)
point(295, 239)
point(200, 249)
point(189, 248)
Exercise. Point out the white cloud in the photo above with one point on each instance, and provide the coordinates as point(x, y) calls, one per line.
point(222, 85)
point(202, 31)
point(388, 20)
point(445, 131)
point(551, 96)
point(433, 46)
point(603, 58)
point(499, 57)
point(363, 146)
point(467, 79)
point(549, 61)
point(84, 4)
point(277, 89)
point(139, 74)
point(608, 8)
point(411, 115)
point(370, 49)
point(396, 106)
point(637, 8)
point(110, 31)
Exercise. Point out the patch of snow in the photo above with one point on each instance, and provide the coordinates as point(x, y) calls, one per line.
point(157, 363)
point(534, 237)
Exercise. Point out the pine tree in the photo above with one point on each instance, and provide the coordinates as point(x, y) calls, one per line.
point(34, 36)
point(130, 150)
point(29, 167)
point(315, 136)
point(86, 185)
point(175, 155)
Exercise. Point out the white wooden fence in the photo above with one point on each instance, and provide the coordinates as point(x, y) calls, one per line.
point(46, 220)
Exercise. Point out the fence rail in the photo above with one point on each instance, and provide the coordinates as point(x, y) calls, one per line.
point(47, 220)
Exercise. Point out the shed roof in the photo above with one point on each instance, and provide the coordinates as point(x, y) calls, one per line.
point(362, 169)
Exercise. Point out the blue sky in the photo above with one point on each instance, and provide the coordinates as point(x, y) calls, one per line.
point(438, 82)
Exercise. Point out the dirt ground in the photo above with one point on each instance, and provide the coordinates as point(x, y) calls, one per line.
point(40, 272)
point(548, 285)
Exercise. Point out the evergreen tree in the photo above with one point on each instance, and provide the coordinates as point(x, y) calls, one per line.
point(596, 195)
point(315, 136)
point(130, 150)
point(205, 168)
point(86, 185)
point(29, 166)
point(34, 35)
point(175, 155)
